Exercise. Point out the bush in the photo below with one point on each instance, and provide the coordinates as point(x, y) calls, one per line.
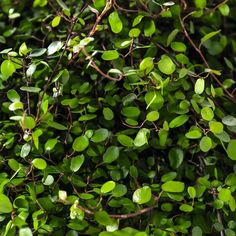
point(119, 117)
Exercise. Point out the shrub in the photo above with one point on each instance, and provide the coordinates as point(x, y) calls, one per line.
point(119, 117)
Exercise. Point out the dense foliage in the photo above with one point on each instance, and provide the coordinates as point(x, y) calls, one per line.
point(117, 117)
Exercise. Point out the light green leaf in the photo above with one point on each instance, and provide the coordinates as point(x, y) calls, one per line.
point(229, 120)
point(173, 186)
point(30, 89)
point(110, 55)
point(186, 208)
point(111, 154)
point(25, 150)
point(142, 195)
point(178, 121)
point(125, 140)
point(205, 144)
point(207, 113)
point(39, 163)
point(149, 28)
point(76, 163)
point(80, 143)
point(141, 137)
point(54, 47)
point(50, 144)
point(25, 232)
point(7, 68)
point(115, 22)
point(5, 204)
point(13, 95)
point(231, 149)
point(56, 21)
point(166, 65)
point(153, 116)
point(216, 127)
point(199, 86)
point(208, 36)
point(108, 187)
point(17, 105)
point(100, 135)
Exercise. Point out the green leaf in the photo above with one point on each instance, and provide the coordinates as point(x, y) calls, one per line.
point(30, 89)
point(103, 218)
point(224, 10)
point(5, 204)
point(166, 65)
point(178, 46)
point(208, 36)
point(108, 113)
point(100, 135)
point(37, 52)
point(28, 122)
point(39, 163)
point(192, 192)
point(194, 134)
point(119, 191)
point(173, 186)
point(110, 55)
point(197, 231)
point(76, 163)
point(56, 21)
point(130, 112)
point(142, 195)
point(25, 150)
point(54, 124)
point(54, 47)
point(125, 140)
point(7, 68)
point(25, 232)
point(178, 121)
point(205, 144)
point(216, 127)
point(50, 144)
point(176, 157)
point(23, 50)
point(229, 120)
point(134, 33)
point(146, 65)
point(231, 149)
point(171, 36)
point(17, 105)
point(149, 28)
point(137, 20)
point(224, 195)
point(108, 187)
point(153, 116)
point(207, 113)
point(80, 143)
point(199, 86)
point(115, 22)
point(186, 208)
point(13, 95)
point(111, 154)
point(141, 137)
point(62, 5)
point(200, 3)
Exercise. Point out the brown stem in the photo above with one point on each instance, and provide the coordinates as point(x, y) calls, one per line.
point(127, 216)
point(94, 29)
point(197, 49)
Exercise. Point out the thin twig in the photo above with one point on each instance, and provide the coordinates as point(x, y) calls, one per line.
point(94, 28)
point(126, 216)
point(229, 95)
